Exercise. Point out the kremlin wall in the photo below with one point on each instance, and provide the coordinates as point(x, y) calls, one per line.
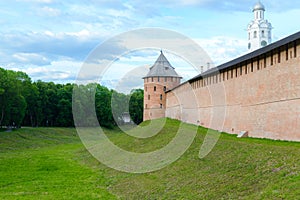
point(258, 93)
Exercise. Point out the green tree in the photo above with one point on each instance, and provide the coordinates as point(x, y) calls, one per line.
point(136, 105)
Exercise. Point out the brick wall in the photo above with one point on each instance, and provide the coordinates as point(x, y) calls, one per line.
point(261, 96)
point(155, 96)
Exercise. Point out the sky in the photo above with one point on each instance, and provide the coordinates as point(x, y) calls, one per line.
point(51, 39)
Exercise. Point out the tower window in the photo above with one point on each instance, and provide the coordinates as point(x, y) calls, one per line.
point(154, 88)
point(149, 97)
point(161, 106)
point(255, 34)
point(165, 88)
point(161, 97)
point(146, 88)
point(262, 33)
point(264, 43)
point(158, 79)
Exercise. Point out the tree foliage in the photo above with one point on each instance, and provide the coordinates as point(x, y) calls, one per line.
point(27, 103)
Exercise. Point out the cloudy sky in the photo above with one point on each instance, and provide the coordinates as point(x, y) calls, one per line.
point(50, 39)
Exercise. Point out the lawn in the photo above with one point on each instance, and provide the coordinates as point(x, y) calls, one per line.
point(51, 163)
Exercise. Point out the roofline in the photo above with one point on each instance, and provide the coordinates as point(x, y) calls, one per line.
point(249, 56)
point(161, 76)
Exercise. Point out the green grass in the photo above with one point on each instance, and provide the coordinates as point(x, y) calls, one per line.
point(51, 163)
point(40, 163)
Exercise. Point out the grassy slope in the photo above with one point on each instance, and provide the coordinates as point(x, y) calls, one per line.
point(40, 164)
point(53, 163)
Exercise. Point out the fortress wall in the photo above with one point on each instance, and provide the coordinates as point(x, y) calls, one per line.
point(261, 96)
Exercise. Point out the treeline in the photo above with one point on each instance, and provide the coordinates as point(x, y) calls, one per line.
point(27, 103)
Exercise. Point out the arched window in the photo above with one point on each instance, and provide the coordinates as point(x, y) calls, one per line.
point(161, 97)
point(149, 97)
point(262, 33)
point(165, 88)
point(255, 34)
point(154, 88)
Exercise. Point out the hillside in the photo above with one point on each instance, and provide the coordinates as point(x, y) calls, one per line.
point(48, 163)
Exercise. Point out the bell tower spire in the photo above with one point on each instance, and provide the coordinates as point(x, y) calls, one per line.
point(259, 29)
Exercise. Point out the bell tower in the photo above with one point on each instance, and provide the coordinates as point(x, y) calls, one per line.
point(259, 29)
point(160, 78)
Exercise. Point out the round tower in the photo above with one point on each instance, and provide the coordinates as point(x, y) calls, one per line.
point(160, 78)
point(259, 29)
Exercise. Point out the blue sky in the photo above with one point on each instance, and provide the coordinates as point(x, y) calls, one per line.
point(50, 39)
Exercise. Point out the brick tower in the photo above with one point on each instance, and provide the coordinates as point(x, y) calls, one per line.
point(161, 78)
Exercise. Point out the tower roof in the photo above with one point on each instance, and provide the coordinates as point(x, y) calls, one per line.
point(259, 6)
point(162, 67)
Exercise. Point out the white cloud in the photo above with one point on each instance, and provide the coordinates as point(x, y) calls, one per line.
point(37, 1)
point(63, 70)
point(48, 11)
point(46, 74)
point(222, 49)
point(32, 58)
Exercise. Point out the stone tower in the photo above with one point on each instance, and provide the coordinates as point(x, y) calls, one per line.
point(259, 29)
point(161, 78)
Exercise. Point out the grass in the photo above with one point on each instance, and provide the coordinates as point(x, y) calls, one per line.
point(40, 163)
point(51, 163)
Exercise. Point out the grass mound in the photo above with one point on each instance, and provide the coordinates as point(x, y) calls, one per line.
point(52, 163)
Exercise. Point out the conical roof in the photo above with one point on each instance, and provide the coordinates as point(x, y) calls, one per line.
point(162, 67)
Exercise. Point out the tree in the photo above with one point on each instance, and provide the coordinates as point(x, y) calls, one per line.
point(136, 105)
point(23, 102)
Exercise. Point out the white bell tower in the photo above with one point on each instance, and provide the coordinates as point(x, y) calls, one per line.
point(259, 29)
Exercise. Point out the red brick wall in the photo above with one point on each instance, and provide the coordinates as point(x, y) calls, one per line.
point(265, 102)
